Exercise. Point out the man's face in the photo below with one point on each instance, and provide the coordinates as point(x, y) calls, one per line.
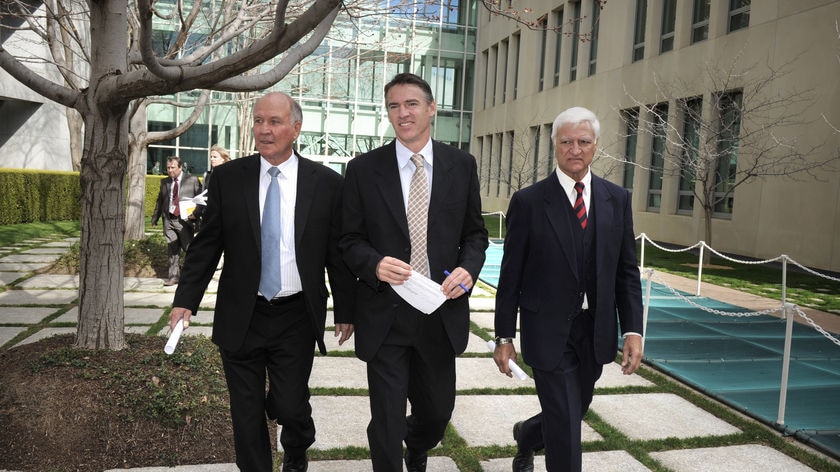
point(410, 115)
point(274, 132)
point(173, 169)
point(574, 148)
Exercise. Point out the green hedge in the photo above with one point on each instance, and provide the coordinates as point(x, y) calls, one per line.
point(28, 196)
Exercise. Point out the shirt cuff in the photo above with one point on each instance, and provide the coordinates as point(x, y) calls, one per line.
point(631, 333)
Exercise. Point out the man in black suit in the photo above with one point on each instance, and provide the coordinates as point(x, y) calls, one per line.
point(409, 354)
point(179, 229)
point(256, 331)
point(569, 268)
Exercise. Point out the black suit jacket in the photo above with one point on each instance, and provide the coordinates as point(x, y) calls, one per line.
point(232, 225)
point(539, 275)
point(375, 226)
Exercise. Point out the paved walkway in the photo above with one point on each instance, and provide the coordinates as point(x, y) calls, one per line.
point(480, 420)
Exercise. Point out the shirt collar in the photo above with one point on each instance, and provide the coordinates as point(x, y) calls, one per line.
point(404, 154)
point(568, 183)
point(288, 167)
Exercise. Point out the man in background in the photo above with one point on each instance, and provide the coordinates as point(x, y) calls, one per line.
point(178, 228)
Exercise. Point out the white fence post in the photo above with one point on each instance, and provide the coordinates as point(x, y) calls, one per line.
point(788, 311)
point(700, 267)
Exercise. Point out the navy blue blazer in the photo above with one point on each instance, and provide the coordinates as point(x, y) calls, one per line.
point(539, 275)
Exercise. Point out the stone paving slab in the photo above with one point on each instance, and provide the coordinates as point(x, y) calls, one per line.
point(9, 277)
point(53, 281)
point(46, 333)
point(21, 266)
point(613, 378)
point(742, 458)
point(133, 316)
point(435, 464)
point(7, 333)
point(38, 297)
point(24, 257)
point(473, 412)
point(481, 372)
point(163, 300)
point(340, 421)
point(24, 315)
point(605, 461)
point(45, 250)
point(648, 416)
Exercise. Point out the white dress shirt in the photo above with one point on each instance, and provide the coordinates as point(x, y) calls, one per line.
point(287, 178)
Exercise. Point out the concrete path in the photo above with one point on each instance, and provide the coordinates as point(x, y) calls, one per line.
point(481, 420)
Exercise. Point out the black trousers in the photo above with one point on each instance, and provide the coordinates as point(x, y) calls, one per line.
point(565, 394)
point(280, 343)
point(416, 363)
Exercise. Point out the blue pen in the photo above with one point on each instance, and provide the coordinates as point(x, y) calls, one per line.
point(446, 273)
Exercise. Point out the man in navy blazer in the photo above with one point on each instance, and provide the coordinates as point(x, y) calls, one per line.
point(409, 354)
point(270, 333)
point(569, 268)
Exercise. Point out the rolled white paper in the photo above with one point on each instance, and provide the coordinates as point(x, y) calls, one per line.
point(514, 367)
point(174, 337)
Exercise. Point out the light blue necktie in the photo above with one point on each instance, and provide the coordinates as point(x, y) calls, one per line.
point(270, 234)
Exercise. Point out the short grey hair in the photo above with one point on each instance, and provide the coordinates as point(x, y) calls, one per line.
point(576, 116)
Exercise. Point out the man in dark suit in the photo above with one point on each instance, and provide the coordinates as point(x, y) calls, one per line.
point(569, 268)
point(260, 329)
point(178, 228)
point(409, 354)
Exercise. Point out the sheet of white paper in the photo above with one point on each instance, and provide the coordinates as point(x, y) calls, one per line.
point(186, 207)
point(514, 367)
point(169, 348)
point(421, 292)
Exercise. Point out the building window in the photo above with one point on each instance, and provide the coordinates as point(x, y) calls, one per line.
point(494, 52)
point(669, 19)
point(543, 27)
point(692, 116)
point(485, 56)
point(558, 44)
point(551, 161)
point(700, 21)
point(739, 14)
point(639, 30)
point(511, 166)
point(515, 42)
point(593, 45)
point(630, 117)
point(505, 53)
point(575, 43)
point(497, 146)
point(729, 108)
point(657, 156)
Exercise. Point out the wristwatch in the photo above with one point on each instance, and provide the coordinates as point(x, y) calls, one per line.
point(500, 341)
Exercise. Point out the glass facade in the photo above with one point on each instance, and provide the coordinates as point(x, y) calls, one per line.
point(340, 88)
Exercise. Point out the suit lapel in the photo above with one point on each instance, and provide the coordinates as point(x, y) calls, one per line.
point(602, 206)
point(251, 181)
point(305, 194)
point(558, 216)
point(443, 179)
point(388, 184)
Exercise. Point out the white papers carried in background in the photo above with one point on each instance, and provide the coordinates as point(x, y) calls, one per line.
point(201, 198)
point(421, 292)
point(186, 207)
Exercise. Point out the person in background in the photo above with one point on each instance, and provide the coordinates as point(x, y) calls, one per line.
point(178, 228)
point(569, 269)
point(411, 355)
point(276, 216)
point(218, 156)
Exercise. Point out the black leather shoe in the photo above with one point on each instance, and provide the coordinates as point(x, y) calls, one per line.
point(415, 461)
point(295, 463)
point(523, 461)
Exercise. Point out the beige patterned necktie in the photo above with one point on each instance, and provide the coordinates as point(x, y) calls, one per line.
point(418, 213)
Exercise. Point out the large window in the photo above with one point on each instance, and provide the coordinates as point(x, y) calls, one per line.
point(657, 155)
point(558, 44)
point(505, 54)
point(593, 45)
point(700, 20)
point(669, 19)
point(535, 151)
point(515, 47)
point(630, 117)
point(727, 148)
point(692, 115)
point(575, 43)
point(552, 163)
point(543, 27)
point(739, 14)
point(639, 30)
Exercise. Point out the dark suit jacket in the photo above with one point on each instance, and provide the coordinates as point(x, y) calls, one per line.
point(375, 226)
point(189, 187)
point(539, 273)
point(232, 225)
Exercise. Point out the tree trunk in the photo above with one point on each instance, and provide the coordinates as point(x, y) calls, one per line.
point(707, 230)
point(135, 218)
point(104, 162)
point(74, 125)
